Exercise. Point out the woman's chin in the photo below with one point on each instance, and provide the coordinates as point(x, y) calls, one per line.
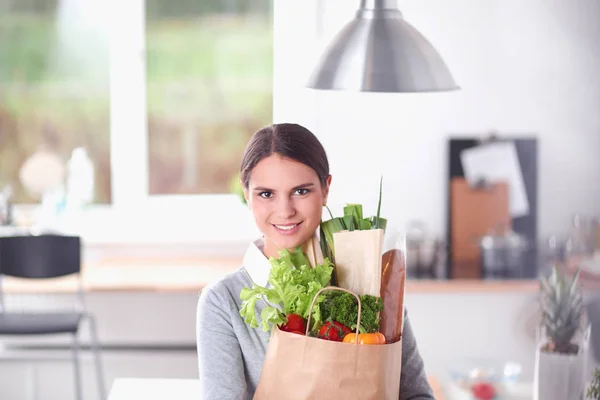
point(291, 242)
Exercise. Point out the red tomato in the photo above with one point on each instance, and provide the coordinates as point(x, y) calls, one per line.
point(294, 323)
point(333, 331)
point(297, 332)
point(483, 391)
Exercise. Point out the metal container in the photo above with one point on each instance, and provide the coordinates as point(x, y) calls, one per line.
point(425, 253)
point(503, 255)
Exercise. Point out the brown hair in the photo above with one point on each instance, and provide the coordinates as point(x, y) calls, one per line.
point(287, 140)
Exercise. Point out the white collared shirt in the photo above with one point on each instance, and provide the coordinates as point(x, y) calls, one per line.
point(257, 264)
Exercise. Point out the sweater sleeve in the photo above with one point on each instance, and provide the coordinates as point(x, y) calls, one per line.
point(220, 363)
point(413, 379)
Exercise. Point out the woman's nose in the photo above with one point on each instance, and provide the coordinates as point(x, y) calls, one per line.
point(285, 208)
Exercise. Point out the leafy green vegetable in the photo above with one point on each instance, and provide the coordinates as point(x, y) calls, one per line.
point(343, 307)
point(294, 284)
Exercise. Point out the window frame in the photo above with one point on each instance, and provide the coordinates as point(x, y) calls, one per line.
point(126, 219)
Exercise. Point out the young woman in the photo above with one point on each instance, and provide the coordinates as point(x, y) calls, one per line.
point(285, 176)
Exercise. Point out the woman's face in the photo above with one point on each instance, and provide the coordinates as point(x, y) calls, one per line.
point(286, 199)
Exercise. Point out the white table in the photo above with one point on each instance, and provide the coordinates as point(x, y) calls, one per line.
point(162, 388)
point(155, 389)
point(189, 389)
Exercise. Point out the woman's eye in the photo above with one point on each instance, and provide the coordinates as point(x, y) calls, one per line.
point(265, 195)
point(302, 192)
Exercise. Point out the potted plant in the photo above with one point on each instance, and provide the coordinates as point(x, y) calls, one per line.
point(561, 351)
point(593, 392)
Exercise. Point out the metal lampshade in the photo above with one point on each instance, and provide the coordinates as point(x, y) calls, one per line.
point(378, 51)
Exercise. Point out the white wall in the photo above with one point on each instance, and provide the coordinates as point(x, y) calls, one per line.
point(524, 68)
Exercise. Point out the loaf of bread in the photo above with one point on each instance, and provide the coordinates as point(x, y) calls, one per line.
point(393, 280)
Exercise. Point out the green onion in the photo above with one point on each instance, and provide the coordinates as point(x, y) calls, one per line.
point(378, 222)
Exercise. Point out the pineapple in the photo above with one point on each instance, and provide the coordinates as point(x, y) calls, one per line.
point(562, 312)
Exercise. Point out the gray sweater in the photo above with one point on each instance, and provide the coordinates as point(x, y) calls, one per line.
point(231, 353)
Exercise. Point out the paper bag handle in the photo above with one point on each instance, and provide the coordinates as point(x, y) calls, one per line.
point(312, 305)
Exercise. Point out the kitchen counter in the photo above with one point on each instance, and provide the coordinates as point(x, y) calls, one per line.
point(191, 274)
point(176, 264)
point(150, 302)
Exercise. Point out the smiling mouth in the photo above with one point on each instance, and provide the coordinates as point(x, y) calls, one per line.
point(287, 227)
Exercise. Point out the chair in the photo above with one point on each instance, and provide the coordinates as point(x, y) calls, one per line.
point(42, 257)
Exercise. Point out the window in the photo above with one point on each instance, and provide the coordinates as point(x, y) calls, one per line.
point(209, 74)
point(164, 94)
point(54, 87)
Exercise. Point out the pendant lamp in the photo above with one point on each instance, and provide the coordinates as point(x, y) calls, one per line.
point(379, 51)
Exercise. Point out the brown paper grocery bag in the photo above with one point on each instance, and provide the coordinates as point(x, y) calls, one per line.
point(298, 367)
point(358, 260)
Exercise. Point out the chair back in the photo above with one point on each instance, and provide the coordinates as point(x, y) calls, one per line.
point(40, 257)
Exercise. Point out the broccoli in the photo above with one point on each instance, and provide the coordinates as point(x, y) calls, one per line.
point(343, 308)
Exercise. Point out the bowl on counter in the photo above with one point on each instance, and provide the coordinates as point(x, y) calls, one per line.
point(484, 379)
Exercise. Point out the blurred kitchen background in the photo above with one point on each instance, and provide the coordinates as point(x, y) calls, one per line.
point(124, 123)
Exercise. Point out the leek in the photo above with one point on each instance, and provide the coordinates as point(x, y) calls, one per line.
point(329, 228)
point(327, 252)
point(352, 220)
point(348, 221)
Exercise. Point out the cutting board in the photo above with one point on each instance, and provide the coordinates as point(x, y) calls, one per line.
point(474, 212)
point(527, 153)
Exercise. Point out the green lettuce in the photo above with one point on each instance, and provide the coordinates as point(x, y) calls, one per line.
point(294, 284)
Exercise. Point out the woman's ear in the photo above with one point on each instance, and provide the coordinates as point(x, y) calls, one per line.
point(246, 194)
point(326, 190)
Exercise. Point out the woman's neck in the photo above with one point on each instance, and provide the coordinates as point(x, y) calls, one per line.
point(271, 249)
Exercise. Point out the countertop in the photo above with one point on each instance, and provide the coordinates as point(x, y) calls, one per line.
point(191, 274)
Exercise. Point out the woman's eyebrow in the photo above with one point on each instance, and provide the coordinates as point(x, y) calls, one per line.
point(262, 189)
point(266, 189)
point(304, 185)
